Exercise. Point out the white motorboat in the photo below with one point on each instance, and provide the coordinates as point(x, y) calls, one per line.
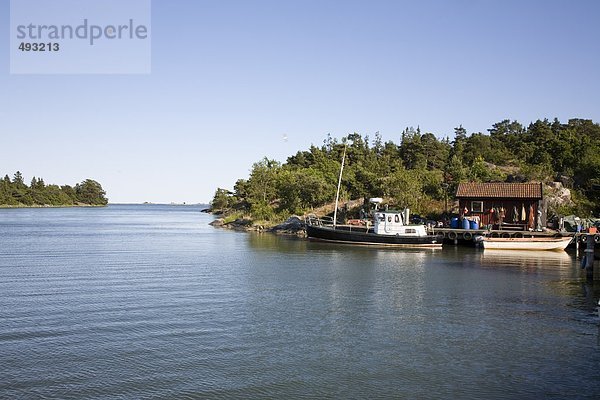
point(530, 243)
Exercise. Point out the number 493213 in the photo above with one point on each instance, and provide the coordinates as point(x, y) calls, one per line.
point(24, 46)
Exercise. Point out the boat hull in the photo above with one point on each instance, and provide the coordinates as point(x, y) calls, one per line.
point(537, 244)
point(327, 234)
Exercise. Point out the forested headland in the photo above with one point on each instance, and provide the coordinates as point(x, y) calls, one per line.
point(423, 170)
point(16, 193)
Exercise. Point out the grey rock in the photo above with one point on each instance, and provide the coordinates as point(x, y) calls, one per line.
point(292, 226)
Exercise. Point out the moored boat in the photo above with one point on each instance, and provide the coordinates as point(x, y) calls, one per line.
point(389, 228)
point(531, 243)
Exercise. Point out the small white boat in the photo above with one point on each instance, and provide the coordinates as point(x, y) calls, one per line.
point(532, 243)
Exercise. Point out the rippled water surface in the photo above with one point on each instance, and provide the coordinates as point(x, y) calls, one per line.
point(151, 302)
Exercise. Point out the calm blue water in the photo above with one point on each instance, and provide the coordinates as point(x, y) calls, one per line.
point(150, 302)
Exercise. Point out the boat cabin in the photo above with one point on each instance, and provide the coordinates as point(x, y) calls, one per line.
point(515, 206)
point(396, 223)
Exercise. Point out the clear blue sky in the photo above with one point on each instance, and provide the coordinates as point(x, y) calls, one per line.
point(231, 78)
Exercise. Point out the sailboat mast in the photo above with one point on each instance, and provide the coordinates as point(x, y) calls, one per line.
point(337, 195)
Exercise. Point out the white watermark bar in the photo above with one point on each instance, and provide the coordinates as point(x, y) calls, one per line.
point(80, 37)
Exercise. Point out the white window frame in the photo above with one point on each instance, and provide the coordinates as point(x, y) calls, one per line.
point(479, 209)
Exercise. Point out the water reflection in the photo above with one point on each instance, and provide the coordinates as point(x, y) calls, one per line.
point(531, 261)
point(569, 284)
point(270, 242)
point(141, 302)
point(293, 244)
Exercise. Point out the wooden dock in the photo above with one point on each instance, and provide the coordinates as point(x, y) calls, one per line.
point(468, 235)
point(588, 246)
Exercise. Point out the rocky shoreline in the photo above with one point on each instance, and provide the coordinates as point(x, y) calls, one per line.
point(293, 226)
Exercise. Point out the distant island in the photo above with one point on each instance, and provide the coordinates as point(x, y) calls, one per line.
point(15, 193)
point(423, 171)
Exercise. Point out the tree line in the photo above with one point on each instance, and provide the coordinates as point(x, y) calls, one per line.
point(423, 171)
point(15, 192)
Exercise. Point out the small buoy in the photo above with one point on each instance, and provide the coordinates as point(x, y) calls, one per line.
point(583, 238)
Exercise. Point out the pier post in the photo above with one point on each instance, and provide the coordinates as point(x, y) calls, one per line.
point(589, 258)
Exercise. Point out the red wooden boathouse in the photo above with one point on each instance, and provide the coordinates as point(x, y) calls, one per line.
point(502, 205)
